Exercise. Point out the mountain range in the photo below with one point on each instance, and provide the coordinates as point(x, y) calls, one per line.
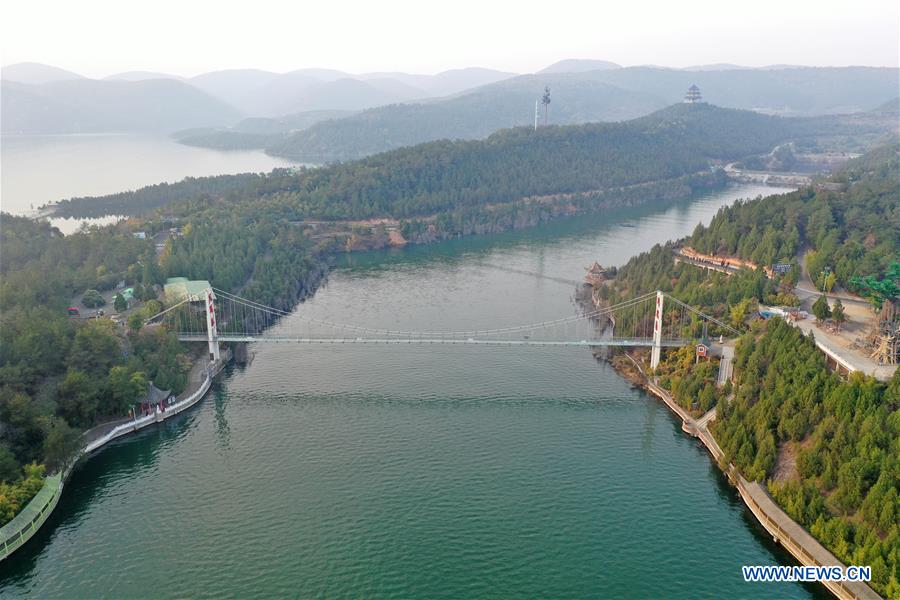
point(600, 95)
point(43, 99)
point(322, 115)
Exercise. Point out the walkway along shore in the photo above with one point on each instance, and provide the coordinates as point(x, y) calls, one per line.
point(784, 530)
point(24, 525)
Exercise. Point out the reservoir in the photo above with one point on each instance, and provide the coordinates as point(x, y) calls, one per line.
point(38, 169)
point(419, 472)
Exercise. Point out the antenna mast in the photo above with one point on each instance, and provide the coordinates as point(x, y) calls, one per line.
point(535, 115)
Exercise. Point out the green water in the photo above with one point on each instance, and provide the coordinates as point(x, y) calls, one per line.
point(418, 472)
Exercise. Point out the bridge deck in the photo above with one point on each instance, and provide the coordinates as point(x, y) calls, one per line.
point(630, 342)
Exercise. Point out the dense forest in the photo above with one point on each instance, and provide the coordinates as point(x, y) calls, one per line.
point(854, 229)
point(852, 232)
point(155, 196)
point(603, 95)
point(845, 434)
point(507, 166)
point(60, 375)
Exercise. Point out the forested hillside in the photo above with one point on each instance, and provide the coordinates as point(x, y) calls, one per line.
point(853, 231)
point(845, 434)
point(854, 228)
point(508, 166)
point(60, 375)
point(847, 438)
point(598, 95)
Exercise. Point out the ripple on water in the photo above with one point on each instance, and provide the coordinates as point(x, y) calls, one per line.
point(414, 472)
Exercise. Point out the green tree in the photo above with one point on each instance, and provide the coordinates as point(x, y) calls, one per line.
point(135, 322)
point(92, 299)
point(78, 398)
point(830, 280)
point(821, 309)
point(96, 347)
point(837, 313)
point(124, 388)
point(10, 469)
point(739, 312)
point(61, 444)
point(120, 304)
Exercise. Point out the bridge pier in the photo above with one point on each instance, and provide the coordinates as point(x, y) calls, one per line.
point(657, 331)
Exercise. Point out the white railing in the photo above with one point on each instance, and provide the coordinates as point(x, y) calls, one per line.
point(140, 423)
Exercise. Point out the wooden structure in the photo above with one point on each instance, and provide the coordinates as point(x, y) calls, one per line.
point(886, 335)
point(693, 95)
point(596, 275)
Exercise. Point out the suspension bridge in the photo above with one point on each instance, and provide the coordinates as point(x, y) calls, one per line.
point(655, 320)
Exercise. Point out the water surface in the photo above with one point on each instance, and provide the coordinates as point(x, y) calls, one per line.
point(48, 168)
point(418, 472)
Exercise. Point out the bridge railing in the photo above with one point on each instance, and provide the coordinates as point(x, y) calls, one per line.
point(627, 322)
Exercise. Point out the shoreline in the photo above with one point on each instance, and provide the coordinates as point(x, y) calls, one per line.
point(33, 515)
point(785, 532)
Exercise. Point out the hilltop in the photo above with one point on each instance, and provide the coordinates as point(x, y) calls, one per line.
point(597, 95)
point(506, 166)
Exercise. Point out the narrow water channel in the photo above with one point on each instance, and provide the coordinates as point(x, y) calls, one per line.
point(427, 472)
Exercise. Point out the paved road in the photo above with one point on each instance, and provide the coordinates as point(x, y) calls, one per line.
point(837, 345)
point(855, 361)
point(726, 363)
point(703, 421)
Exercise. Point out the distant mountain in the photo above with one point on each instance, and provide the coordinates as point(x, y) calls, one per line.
point(266, 94)
point(791, 91)
point(296, 92)
point(471, 180)
point(598, 95)
point(717, 67)
point(233, 86)
point(477, 114)
point(890, 107)
point(36, 73)
point(90, 106)
point(140, 76)
point(255, 132)
point(321, 74)
point(580, 65)
point(447, 83)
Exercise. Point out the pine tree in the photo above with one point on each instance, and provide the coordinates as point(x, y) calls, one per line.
point(821, 309)
point(120, 304)
point(837, 313)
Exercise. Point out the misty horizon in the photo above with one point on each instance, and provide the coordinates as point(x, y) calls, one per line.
point(724, 66)
point(396, 36)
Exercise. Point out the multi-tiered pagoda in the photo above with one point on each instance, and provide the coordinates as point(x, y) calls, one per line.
point(693, 95)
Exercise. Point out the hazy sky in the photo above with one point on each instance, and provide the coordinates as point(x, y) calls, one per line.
point(186, 37)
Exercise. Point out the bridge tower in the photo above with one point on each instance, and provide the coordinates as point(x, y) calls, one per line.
point(657, 331)
point(211, 332)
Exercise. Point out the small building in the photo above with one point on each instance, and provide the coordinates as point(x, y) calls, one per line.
point(702, 350)
point(154, 398)
point(596, 274)
point(141, 235)
point(693, 95)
